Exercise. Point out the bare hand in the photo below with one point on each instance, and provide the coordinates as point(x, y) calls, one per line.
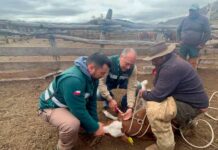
point(140, 93)
point(200, 46)
point(100, 131)
point(180, 42)
point(127, 115)
point(113, 104)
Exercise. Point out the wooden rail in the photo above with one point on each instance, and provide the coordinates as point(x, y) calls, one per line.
point(105, 42)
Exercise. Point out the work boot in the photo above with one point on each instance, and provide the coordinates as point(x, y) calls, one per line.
point(188, 128)
point(152, 147)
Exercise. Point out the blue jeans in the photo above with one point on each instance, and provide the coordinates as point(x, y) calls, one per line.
point(106, 103)
point(123, 101)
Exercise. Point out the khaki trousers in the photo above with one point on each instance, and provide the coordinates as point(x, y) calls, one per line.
point(67, 124)
point(160, 116)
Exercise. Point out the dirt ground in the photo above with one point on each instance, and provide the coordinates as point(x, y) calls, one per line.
point(22, 129)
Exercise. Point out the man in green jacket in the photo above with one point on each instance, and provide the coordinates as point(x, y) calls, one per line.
point(70, 100)
point(122, 75)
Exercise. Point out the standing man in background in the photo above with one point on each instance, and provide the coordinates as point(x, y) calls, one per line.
point(193, 32)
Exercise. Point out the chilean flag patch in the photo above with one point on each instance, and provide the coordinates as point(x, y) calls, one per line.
point(77, 93)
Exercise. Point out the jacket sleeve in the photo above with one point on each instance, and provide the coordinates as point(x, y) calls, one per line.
point(74, 98)
point(92, 105)
point(131, 88)
point(206, 32)
point(103, 88)
point(166, 83)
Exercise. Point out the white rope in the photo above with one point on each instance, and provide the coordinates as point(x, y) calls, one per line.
point(211, 97)
point(214, 108)
point(143, 83)
point(133, 117)
point(144, 132)
point(204, 146)
point(211, 129)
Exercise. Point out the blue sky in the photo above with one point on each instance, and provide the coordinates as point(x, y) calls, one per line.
point(68, 11)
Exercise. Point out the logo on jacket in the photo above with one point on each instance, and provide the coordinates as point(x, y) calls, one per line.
point(77, 93)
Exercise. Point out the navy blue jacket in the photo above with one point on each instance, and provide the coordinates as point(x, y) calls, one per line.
point(194, 31)
point(176, 77)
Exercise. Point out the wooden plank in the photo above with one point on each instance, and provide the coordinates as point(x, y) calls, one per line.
point(46, 51)
point(105, 42)
point(43, 77)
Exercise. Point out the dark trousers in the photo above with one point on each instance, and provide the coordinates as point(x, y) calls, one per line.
point(106, 103)
point(185, 114)
point(123, 101)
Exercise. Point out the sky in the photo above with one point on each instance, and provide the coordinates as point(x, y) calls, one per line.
point(76, 11)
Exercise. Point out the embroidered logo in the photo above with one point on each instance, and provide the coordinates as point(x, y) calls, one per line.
point(77, 93)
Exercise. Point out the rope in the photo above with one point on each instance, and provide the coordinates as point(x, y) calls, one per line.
point(211, 129)
point(140, 121)
point(214, 108)
point(204, 146)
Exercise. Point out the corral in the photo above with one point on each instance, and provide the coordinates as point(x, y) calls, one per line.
point(24, 68)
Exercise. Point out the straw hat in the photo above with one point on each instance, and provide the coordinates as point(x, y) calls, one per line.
point(159, 49)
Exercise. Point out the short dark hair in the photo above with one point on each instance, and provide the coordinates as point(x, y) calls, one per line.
point(99, 59)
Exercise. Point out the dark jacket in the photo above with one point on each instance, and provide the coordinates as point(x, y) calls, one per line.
point(195, 31)
point(176, 77)
point(75, 90)
point(116, 77)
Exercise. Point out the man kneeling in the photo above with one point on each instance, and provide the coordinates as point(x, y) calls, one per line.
point(70, 100)
point(178, 95)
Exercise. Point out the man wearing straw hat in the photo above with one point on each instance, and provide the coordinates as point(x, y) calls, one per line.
point(178, 95)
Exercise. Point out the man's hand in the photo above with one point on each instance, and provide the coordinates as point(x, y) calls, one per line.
point(113, 104)
point(127, 115)
point(141, 92)
point(201, 46)
point(181, 43)
point(100, 131)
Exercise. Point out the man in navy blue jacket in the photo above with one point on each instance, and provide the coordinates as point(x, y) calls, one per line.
point(178, 94)
point(193, 32)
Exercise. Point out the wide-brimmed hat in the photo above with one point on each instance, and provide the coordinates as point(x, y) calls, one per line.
point(159, 49)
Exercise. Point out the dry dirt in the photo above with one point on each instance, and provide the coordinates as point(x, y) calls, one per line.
point(22, 129)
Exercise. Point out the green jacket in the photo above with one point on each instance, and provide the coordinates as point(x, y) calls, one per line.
point(75, 90)
point(116, 77)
